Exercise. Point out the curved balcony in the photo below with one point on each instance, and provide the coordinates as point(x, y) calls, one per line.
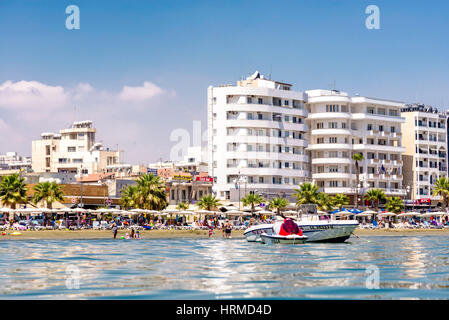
point(378, 117)
point(266, 108)
point(267, 140)
point(325, 132)
point(332, 161)
point(285, 172)
point(266, 156)
point(329, 115)
point(333, 176)
point(267, 124)
point(377, 147)
point(330, 146)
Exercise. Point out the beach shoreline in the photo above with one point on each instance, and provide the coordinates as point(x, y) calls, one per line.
point(187, 234)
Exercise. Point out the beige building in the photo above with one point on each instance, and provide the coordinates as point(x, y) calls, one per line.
point(425, 157)
point(72, 150)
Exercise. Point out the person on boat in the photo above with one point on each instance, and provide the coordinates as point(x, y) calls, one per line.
point(289, 227)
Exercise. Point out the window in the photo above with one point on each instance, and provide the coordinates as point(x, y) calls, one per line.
point(285, 102)
point(369, 126)
point(320, 140)
point(333, 184)
point(250, 116)
point(381, 128)
point(392, 129)
point(319, 125)
point(249, 100)
point(332, 108)
point(261, 180)
point(343, 125)
point(286, 118)
point(71, 149)
point(332, 139)
point(260, 101)
point(260, 116)
point(333, 125)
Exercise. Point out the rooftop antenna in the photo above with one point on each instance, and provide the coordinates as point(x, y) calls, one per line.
point(269, 77)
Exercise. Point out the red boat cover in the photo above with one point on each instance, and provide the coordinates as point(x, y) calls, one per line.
point(289, 227)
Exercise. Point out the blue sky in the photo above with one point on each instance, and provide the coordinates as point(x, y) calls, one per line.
point(182, 47)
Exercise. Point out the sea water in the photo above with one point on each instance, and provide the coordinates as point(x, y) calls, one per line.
point(370, 267)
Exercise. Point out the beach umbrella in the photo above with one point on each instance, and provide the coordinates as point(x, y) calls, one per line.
point(363, 214)
point(322, 212)
point(409, 214)
point(386, 214)
point(371, 212)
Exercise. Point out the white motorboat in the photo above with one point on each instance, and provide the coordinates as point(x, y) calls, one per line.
point(275, 238)
point(315, 230)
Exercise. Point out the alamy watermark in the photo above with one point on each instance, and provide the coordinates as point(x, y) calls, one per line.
point(73, 277)
point(373, 279)
point(373, 20)
point(73, 20)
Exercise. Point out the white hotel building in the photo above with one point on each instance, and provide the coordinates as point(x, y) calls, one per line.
point(341, 126)
point(425, 158)
point(257, 138)
point(265, 138)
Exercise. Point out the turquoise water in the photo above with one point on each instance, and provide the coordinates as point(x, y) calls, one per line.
point(412, 267)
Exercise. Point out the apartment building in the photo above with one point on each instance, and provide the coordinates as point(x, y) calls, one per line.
point(256, 138)
point(72, 150)
point(425, 157)
point(13, 161)
point(340, 126)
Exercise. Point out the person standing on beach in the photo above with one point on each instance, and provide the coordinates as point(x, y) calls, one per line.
point(114, 230)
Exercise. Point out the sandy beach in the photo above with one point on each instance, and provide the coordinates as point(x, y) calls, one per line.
point(159, 234)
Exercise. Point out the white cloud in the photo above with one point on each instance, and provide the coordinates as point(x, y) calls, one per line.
point(28, 108)
point(139, 94)
point(31, 94)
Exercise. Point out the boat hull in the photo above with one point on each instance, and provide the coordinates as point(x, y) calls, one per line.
point(316, 231)
point(276, 239)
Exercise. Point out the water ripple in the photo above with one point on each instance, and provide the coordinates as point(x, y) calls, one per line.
point(409, 268)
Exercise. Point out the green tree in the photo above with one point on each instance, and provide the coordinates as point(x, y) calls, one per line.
point(183, 206)
point(357, 157)
point(324, 202)
point(209, 202)
point(340, 200)
point(441, 188)
point(130, 197)
point(395, 205)
point(151, 193)
point(48, 192)
point(307, 193)
point(376, 195)
point(252, 200)
point(280, 204)
point(13, 190)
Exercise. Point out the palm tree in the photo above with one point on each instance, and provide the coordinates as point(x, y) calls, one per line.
point(307, 193)
point(13, 190)
point(340, 200)
point(376, 195)
point(395, 205)
point(209, 202)
point(357, 157)
point(151, 192)
point(129, 198)
point(279, 204)
point(183, 206)
point(48, 192)
point(252, 200)
point(441, 189)
point(324, 202)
